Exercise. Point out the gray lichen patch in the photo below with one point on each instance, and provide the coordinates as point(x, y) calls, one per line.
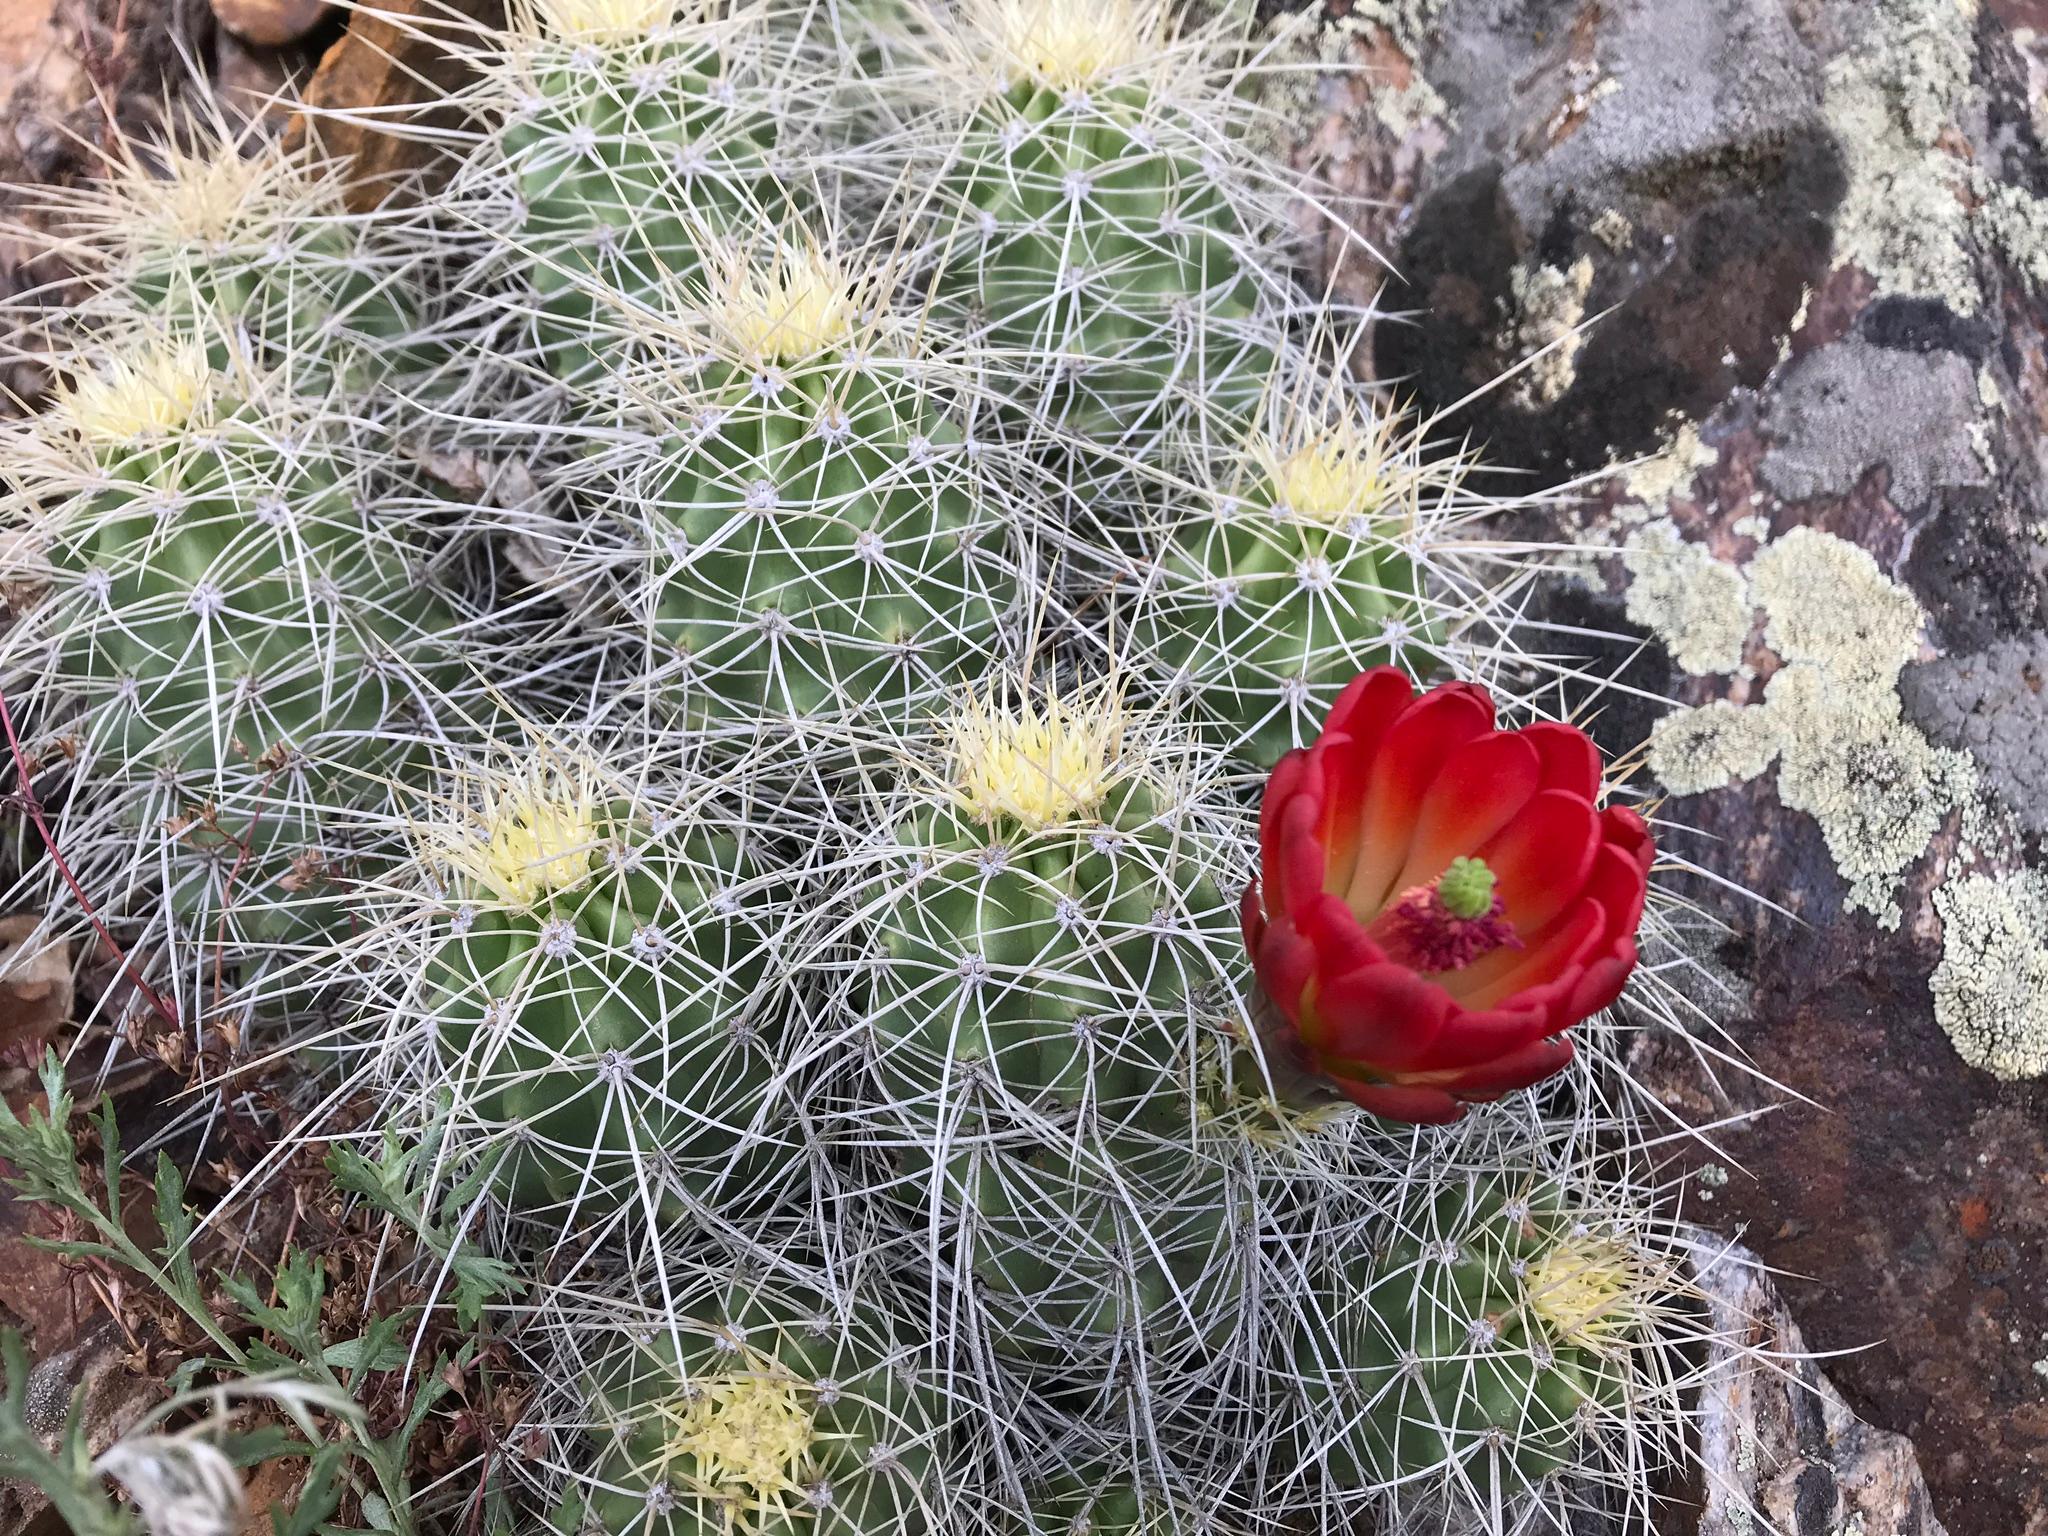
point(1699, 607)
point(1711, 747)
point(1991, 987)
point(1844, 408)
point(1899, 100)
point(1995, 706)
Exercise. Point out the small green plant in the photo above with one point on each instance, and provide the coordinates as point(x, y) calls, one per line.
point(272, 1332)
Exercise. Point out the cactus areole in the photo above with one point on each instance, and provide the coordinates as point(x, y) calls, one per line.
point(1440, 900)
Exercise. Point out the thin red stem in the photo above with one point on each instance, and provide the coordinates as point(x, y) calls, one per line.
point(34, 807)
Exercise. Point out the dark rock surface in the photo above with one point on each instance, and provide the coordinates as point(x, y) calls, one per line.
point(1803, 230)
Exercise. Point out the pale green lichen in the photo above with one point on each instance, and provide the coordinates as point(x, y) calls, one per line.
point(1697, 606)
point(1832, 718)
point(1409, 22)
point(1878, 788)
point(1888, 98)
point(1991, 987)
point(1546, 306)
point(1847, 756)
point(1673, 469)
point(1612, 229)
point(1827, 603)
point(2015, 221)
point(1314, 63)
point(1711, 747)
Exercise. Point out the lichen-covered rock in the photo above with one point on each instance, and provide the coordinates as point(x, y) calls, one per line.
point(1814, 242)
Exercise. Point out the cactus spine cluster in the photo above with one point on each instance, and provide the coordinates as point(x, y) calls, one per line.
point(597, 971)
point(737, 647)
point(1304, 570)
point(804, 530)
point(1089, 227)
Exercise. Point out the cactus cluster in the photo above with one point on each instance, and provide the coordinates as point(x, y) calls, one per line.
point(230, 652)
point(734, 651)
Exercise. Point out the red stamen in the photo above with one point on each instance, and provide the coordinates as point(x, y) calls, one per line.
point(1423, 933)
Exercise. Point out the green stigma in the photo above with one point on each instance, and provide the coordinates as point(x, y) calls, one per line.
point(1466, 888)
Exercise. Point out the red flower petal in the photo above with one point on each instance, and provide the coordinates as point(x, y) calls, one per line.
point(1543, 856)
point(1412, 754)
point(1284, 963)
point(1296, 867)
point(1414, 1106)
point(1369, 704)
point(1341, 944)
point(1469, 1038)
point(1518, 1069)
point(1567, 942)
point(1620, 885)
point(1477, 792)
point(1601, 986)
point(1358, 723)
point(1280, 788)
point(1570, 760)
point(1251, 917)
point(1383, 1014)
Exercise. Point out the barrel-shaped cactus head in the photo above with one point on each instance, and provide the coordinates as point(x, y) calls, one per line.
point(593, 953)
point(627, 139)
point(797, 531)
point(1326, 548)
point(1099, 226)
point(1077, 1250)
point(229, 645)
point(1502, 1335)
point(213, 229)
point(1048, 900)
point(753, 1405)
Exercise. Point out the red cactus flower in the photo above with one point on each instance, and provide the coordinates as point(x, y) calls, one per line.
point(1441, 900)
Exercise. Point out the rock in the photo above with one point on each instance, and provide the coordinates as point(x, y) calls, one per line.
point(1993, 705)
point(1779, 1448)
point(1587, 139)
point(1796, 253)
point(1850, 405)
point(35, 983)
point(271, 23)
point(403, 54)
